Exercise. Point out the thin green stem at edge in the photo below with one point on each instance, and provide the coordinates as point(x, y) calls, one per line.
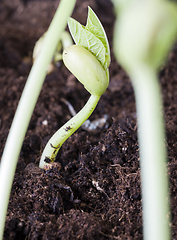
point(56, 141)
point(153, 156)
point(27, 104)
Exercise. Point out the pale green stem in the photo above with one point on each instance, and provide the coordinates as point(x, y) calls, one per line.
point(153, 157)
point(27, 104)
point(56, 141)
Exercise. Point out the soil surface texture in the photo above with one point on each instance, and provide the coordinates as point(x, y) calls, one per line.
point(93, 190)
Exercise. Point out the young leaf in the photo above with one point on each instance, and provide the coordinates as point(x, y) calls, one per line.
point(94, 26)
point(92, 37)
point(87, 40)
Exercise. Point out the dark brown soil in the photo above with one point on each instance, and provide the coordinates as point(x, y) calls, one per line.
point(93, 191)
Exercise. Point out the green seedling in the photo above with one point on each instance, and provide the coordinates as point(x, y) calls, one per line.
point(144, 34)
point(88, 60)
point(27, 104)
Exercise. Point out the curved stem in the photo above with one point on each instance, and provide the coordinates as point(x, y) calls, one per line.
point(153, 156)
point(27, 104)
point(56, 141)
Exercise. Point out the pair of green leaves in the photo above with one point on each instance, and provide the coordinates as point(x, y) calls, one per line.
point(92, 37)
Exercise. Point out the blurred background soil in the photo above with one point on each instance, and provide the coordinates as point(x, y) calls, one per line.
point(93, 191)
